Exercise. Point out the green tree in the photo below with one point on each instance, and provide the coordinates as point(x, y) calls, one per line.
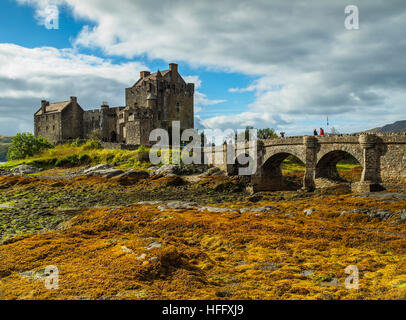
point(25, 145)
point(262, 134)
point(267, 133)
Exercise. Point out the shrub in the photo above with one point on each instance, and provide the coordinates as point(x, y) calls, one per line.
point(91, 144)
point(84, 159)
point(69, 161)
point(43, 163)
point(76, 143)
point(25, 145)
point(142, 154)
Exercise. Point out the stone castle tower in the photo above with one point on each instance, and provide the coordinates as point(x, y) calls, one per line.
point(154, 101)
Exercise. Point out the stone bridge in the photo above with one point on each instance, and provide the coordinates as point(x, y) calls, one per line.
point(382, 157)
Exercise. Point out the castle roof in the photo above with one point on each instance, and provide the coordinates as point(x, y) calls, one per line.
point(54, 107)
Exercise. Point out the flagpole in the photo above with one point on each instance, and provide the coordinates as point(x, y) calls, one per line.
point(327, 124)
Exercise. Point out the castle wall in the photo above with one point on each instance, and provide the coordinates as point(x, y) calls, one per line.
point(92, 121)
point(110, 127)
point(48, 126)
point(174, 99)
point(178, 105)
point(138, 132)
point(72, 122)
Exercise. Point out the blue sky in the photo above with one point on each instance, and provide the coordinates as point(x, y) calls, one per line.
point(269, 64)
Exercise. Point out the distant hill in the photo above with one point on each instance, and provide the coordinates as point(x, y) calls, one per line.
point(398, 126)
point(5, 142)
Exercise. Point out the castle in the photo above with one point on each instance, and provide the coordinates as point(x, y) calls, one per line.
point(154, 101)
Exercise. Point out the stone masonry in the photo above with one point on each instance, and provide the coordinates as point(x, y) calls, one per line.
point(382, 157)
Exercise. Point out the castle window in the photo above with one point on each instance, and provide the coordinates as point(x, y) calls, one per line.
point(53, 128)
point(47, 128)
point(177, 109)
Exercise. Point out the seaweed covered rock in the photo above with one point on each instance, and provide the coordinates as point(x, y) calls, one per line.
point(25, 169)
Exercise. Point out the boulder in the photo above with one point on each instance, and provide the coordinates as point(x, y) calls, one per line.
point(153, 245)
point(103, 170)
point(167, 169)
point(25, 169)
point(99, 167)
point(4, 172)
point(308, 212)
point(372, 213)
point(149, 202)
point(257, 210)
point(134, 174)
point(109, 173)
point(178, 205)
point(217, 209)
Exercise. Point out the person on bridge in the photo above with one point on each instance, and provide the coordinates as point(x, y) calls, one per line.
point(321, 131)
point(315, 132)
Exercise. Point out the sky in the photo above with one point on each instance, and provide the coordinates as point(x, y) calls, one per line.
point(279, 64)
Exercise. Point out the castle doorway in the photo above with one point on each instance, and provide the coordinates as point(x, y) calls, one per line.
point(113, 136)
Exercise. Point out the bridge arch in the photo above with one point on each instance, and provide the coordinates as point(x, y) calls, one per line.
point(353, 149)
point(271, 171)
point(326, 167)
point(283, 153)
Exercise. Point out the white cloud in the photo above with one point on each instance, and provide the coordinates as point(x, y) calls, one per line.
point(306, 62)
point(239, 121)
point(29, 75)
point(44, 9)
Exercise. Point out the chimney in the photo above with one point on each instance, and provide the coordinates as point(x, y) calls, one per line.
point(73, 99)
point(105, 105)
point(44, 104)
point(173, 67)
point(144, 74)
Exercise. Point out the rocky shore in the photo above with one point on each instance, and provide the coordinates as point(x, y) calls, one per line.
point(167, 230)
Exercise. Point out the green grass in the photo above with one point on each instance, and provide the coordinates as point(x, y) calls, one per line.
point(71, 156)
point(289, 165)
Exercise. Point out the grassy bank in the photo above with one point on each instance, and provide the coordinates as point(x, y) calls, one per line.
point(71, 155)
